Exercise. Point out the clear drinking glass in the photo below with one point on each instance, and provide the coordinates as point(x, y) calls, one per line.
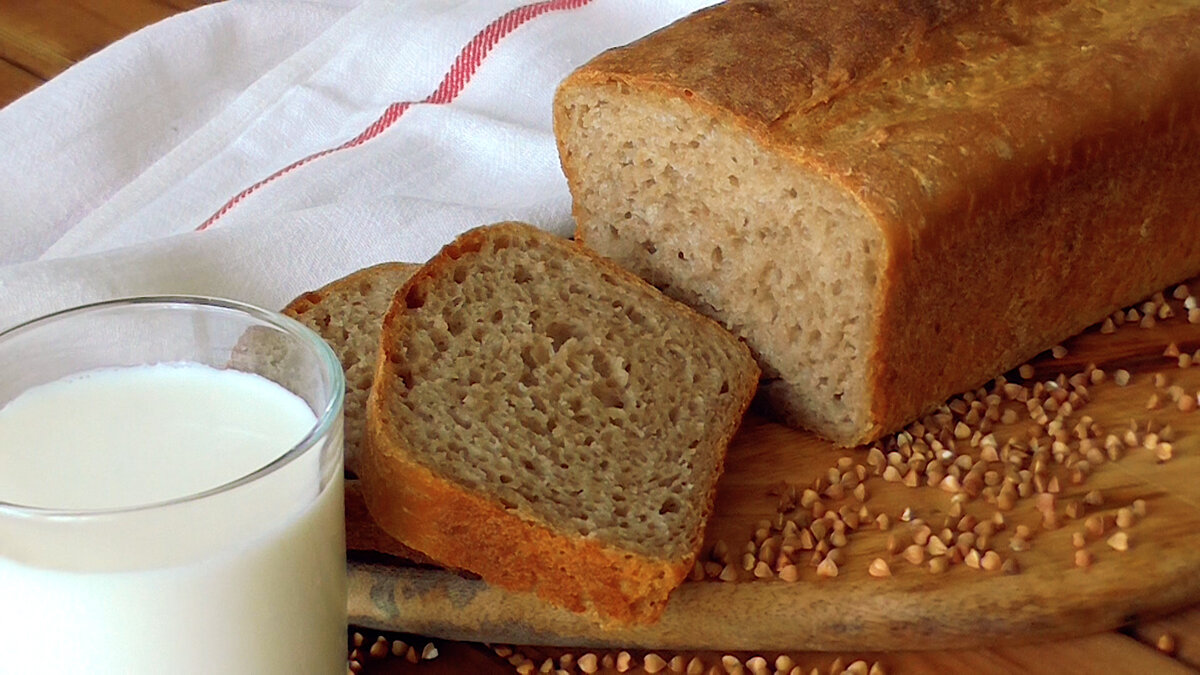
point(245, 577)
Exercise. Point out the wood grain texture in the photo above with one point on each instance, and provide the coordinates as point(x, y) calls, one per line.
point(45, 37)
point(15, 82)
point(1050, 599)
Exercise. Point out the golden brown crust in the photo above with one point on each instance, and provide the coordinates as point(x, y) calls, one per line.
point(1032, 165)
point(464, 529)
point(362, 534)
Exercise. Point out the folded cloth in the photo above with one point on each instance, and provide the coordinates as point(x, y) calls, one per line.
point(254, 149)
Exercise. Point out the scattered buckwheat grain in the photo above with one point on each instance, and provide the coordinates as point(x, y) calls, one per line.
point(1166, 644)
point(858, 668)
point(879, 568)
point(653, 663)
point(827, 568)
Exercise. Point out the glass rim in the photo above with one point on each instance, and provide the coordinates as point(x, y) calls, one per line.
point(319, 430)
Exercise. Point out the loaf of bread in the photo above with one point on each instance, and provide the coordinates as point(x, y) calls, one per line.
point(348, 314)
point(893, 202)
point(551, 422)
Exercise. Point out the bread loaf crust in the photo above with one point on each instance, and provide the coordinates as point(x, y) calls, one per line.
point(461, 528)
point(1031, 166)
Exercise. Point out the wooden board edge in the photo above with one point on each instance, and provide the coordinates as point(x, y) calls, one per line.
point(708, 615)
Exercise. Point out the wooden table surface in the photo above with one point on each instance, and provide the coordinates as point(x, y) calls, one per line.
point(40, 38)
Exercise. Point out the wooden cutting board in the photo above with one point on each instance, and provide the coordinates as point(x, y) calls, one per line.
point(914, 608)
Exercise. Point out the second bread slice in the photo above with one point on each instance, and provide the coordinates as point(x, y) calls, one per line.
point(348, 313)
point(547, 420)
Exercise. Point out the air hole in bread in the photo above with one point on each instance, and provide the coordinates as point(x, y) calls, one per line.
point(608, 395)
point(559, 332)
point(415, 299)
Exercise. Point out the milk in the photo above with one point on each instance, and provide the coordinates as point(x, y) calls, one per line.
point(248, 579)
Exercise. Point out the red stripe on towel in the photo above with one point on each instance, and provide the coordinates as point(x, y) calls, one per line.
point(452, 84)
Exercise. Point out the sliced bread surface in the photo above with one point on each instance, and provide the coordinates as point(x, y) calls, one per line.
point(348, 314)
point(551, 422)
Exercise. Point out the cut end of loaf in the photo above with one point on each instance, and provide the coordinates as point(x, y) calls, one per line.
point(569, 393)
point(691, 203)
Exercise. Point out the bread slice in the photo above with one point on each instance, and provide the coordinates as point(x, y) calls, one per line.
point(348, 314)
point(551, 422)
point(894, 202)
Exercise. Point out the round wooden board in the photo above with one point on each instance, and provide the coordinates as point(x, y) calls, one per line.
point(913, 608)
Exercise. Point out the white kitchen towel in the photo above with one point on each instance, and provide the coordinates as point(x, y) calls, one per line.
point(254, 149)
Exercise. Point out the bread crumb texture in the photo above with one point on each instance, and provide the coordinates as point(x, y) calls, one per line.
point(567, 390)
point(684, 209)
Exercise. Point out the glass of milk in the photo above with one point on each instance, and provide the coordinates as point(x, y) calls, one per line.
point(170, 492)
